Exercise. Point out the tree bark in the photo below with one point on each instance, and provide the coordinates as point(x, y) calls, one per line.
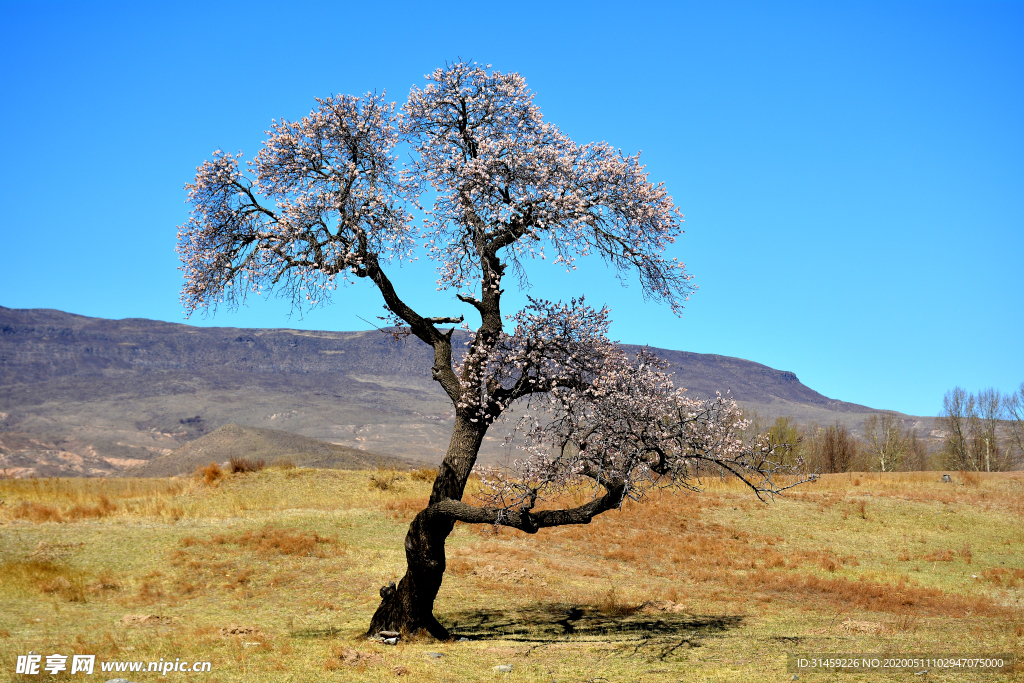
point(409, 606)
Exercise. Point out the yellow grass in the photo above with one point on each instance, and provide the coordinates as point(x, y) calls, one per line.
point(273, 575)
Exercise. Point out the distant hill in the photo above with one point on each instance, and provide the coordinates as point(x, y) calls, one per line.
point(269, 445)
point(84, 396)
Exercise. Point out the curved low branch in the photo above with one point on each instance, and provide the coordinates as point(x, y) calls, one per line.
point(527, 520)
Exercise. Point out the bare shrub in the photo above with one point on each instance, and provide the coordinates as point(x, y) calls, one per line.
point(905, 623)
point(611, 603)
point(240, 465)
point(210, 474)
point(37, 512)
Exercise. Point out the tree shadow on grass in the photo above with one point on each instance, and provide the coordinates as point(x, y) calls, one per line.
point(556, 622)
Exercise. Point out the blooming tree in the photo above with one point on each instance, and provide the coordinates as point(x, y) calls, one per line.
point(323, 203)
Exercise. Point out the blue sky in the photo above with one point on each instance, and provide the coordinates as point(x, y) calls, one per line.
point(852, 175)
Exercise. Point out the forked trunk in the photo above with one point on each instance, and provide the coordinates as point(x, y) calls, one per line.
point(409, 606)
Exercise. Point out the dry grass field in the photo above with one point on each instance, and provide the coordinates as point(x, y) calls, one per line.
point(273, 575)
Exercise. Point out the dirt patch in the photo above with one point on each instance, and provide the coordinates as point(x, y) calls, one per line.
point(656, 606)
point(236, 630)
point(353, 657)
point(490, 573)
point(145, 620)
point(270, 540)
point(53, 552)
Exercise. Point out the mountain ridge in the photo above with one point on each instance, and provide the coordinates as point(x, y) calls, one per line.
point(114, 394)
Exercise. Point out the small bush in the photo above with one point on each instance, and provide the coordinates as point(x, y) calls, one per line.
point(238, 465)
point(284, 464)
point(211, 474)
point(37, 512)
point(611, 604)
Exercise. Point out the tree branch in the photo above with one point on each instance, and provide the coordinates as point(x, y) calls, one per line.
point(531, 522)
point(423, 328)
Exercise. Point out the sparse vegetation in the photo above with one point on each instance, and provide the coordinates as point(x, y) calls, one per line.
point(427, 474)
point(241, 465)
point(273, 574)
point(386, 480)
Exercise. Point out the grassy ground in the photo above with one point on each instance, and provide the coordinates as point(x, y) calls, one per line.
point(273, 575)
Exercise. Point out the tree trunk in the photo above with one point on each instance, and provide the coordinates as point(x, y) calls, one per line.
point(409, 606)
